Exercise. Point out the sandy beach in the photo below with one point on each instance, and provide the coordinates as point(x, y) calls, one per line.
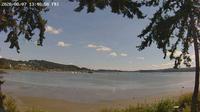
point(55, 105)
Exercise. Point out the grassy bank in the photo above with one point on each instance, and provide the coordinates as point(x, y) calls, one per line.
point(180, 104)
point(11, 106)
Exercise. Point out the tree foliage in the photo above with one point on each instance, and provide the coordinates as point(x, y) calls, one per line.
point(170, 29)
point(22, 21)
point(128, 8)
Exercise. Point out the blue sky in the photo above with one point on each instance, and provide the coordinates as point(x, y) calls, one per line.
point(100, 40)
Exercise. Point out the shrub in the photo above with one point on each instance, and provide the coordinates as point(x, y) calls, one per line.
point(162, 106)
point(10, 105)
point(165, 106)
point(185, 99)
point(186, 109)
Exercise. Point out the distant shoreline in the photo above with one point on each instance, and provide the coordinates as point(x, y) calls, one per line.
point(57, 71)
point(2, 71)
point(192, 69)
point(46, 66)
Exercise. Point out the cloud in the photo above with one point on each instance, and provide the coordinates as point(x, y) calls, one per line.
point(53, 30)
point(176, 53)
point(103, 49)
point(91, 46)
point(171, 63)
point(123, 54)
point(114, 54)
point(63, 44)
point(71, 63)
point(140, 58)
point(163, 65)
point(192, 56)
point(99, 48)
point(153, 65)
point(1, 57)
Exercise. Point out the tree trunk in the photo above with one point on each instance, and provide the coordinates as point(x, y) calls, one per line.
point(194, 106)
point(196, 86)
point(194, 32)
point(1, 97)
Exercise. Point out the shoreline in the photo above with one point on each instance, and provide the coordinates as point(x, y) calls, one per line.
point(40, 71)
point(58, 105)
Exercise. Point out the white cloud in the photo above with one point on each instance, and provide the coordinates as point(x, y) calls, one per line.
point(176, 53)
point(99, 48)
point(113, 54)
point(167, 64)
point(63, 44)
point(71, 63)
point(53, 30)
point(123, 54)
point(1, 57)
point(103, 49)
point(156, 66)
point(164, 65)
point(192, 56)
point(91, 46)
point(140, 58)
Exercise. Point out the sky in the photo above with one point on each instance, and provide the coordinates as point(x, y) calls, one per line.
point(100, 40)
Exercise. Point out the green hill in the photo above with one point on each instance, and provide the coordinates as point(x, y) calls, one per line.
point(40, 65)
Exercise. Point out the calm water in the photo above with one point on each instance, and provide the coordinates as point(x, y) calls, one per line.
point(97, 86)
